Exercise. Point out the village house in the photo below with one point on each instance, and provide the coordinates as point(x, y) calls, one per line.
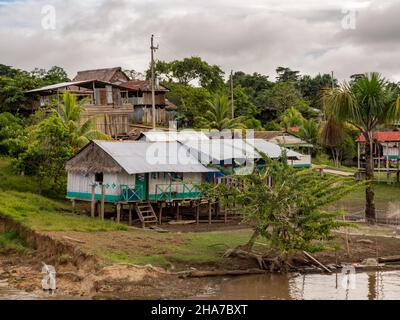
point(289, 140)
point(134, 173)
point(111, 99)
point(386, 153)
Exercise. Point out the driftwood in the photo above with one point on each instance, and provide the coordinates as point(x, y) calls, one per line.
point(317, 262)
point(264, 263)
point(182, 222)
point(217, 273)
point(73, 239)
point(389, 259)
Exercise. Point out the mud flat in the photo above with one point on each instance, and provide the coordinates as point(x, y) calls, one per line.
point(84, 270)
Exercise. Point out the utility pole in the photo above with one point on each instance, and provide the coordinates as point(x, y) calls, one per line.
point(233, 107)
point(153, 95)
point(333, 82)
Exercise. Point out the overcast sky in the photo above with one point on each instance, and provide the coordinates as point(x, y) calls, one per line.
point(312, 36)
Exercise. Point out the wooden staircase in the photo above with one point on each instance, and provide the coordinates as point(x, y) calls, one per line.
point(146, 213)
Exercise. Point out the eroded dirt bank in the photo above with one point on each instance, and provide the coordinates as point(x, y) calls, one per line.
point(82, 274)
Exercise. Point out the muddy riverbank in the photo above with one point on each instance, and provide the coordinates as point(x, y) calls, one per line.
point(84, 269)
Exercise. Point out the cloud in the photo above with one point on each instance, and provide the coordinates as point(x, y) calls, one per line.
point(252, 36)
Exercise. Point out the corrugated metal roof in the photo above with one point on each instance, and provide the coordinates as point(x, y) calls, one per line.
point(216, 150)
point(182, 136)
point(146, 157)
point(272, 150)
point(67, 84)
point(383, 136)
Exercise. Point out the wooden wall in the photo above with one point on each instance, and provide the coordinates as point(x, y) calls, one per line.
point(109, 120)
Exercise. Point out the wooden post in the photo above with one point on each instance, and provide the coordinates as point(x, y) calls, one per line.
point(103, 195)
point(93, 203)
point(225, 213)
point(73, 203)
point(358, 156)
point(177, 211)
point(209, 211)
point(160, 214)
point(118, 212)
point(198, 212)
point(130, 215)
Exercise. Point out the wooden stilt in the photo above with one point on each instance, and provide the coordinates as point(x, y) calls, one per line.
point(160, 214)
point(130, 215)
point(225, 214)
point(103, 195)
point(93, 201)
point(118, 212)
point(73, 203)
point(177, 211)
point(198, 212)
point(209, 212)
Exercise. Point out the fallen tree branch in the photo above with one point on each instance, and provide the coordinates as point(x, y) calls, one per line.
point(218, 273)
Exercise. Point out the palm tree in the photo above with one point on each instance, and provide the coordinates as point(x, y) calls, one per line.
point(70, 114)
point(367, 103)
point(219, 116)
point(309, 131)
point(291, 118)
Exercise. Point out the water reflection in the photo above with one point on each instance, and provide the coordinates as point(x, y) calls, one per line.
point(363, 286)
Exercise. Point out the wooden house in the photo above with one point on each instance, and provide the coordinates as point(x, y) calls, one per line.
point(136, 93)
point(134, 172)
point(289, 140)
point(386, 153)
point(102, 101)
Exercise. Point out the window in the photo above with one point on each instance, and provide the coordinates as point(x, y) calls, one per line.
point(109, 94)
point(98, 177)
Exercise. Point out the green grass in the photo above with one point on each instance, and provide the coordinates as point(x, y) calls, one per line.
point(19, 202)
point(163, 249)
point(10, 241)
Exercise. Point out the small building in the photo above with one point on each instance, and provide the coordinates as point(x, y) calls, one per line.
point(134, 172)
point(102, 102)
point(171, 136)
point(386, 152)
point(289, 140)
point(138, 93)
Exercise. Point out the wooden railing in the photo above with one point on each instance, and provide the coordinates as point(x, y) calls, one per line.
point(130, 193)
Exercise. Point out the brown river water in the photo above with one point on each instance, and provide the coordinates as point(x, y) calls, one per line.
point(360, 286)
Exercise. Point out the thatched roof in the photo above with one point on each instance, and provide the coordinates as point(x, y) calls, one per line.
point(92, 159)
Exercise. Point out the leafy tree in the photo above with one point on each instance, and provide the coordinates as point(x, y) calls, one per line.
point(252, 84)
point(191, 69)
point(55, 75)
point(11, 133)
point(48, 150)
point(288, 212)
point(243, 105)
point(309, 131)
point(69, 112)
point(191, 102)
point(366, 103)
point(287, 75)
point(134, 75)
point(312, 88)
point(291, 118)
point(282, 96)
point(219, 116)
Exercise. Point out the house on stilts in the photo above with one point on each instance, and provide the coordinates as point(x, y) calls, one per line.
point(137, 174)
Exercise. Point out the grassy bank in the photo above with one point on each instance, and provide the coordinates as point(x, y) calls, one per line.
point(20, 202)
point(112, 242)
point(11, 241)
